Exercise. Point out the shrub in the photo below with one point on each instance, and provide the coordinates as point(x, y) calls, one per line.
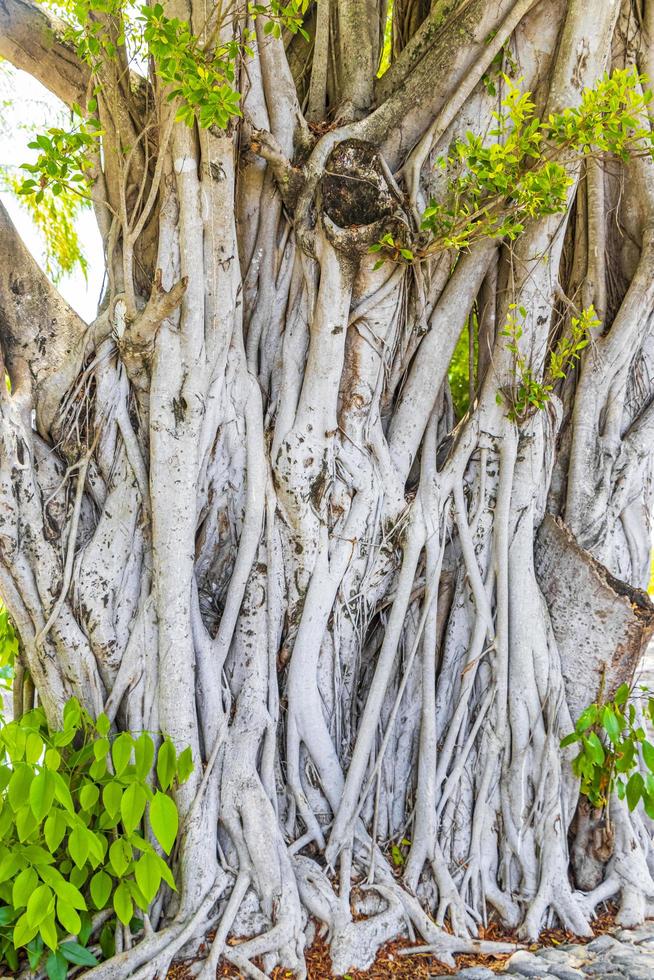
point(81, 816)
point(614, 751)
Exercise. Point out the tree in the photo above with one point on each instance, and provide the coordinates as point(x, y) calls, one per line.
point(241, 508)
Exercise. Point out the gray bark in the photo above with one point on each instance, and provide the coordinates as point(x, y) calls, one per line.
point(248, 518)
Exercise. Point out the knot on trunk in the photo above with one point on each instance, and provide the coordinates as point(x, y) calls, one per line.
point(355, 190)
point(135, 337)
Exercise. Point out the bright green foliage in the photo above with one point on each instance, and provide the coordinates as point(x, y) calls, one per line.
point(78, 820)
point(197, 70)
point(494, 188)
point(392, 249)
point(399, 852)
point(8, 649)
point(529, 392)
point(288, 16)
point(458, 373)
point(200, 76)
point(614, 752)
point(64, 160)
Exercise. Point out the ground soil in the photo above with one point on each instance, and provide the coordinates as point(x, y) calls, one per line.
point(393, 963)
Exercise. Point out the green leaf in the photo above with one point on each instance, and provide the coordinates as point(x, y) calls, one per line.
point(26, 822)
point(19, 786)
point(78, 846)
point(107, 941)
point(97, 847)
point(123, 905)
point(144, 755)
point(111, 797)
point(100, 748)
point(164, 820)
point(23, 931)
point(39, 904)
point(33, 748)
point(610, 723)
point(42, 792)
point(68, 893)
point(23, 887)
point(120, 854)
point(569, 740)
point(102, 725)
point(595, 749)
point(52, 759)
point(10, 864)
point(77, 954)
point(184, 764)
point(54, 829)
point(72, 712)
point(62, 738)
point(86, 929)
point(621, 694)
point(56, 966)
point(148, 875)
point(100, 889)
point(635, 789)
point(89, 796)
point(648, 755)
point(166, 764)
point(166, 873)
point(68, 917)
point(132, 806)
point(35, 952)
point(98, 770)
point(48, 930)
point(62, 792)
point(121, 752)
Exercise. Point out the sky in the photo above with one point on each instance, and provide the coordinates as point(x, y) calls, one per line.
point(27, 108)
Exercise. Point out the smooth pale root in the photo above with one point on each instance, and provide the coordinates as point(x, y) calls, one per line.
point(288, 559)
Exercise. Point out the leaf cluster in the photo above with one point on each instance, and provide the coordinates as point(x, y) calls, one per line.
point(55, 217)
point(80, 818)
point(199, 75)
point(493, 187)
point(612, 744)
point(530, 392)
point(64, 160)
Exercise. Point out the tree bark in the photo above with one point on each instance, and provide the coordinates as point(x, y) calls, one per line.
point(238, 508)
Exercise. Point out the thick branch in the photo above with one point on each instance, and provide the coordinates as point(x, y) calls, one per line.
point(38, 329)
point(451, 54)
point(32, 39)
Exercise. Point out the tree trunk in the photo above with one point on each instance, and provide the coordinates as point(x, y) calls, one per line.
point(238, 508)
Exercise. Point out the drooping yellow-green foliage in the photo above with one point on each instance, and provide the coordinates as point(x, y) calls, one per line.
point(55, 216)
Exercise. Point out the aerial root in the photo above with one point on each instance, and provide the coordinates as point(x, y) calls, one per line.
point(154, 953)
